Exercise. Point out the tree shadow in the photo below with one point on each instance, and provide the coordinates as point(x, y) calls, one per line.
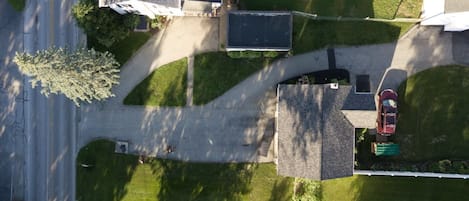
point(408, 188)
point(281, 191)
point(101, 173)
point(203, 181)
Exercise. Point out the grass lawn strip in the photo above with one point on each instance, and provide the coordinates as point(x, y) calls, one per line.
point(215, 73)
point(366, 188)
point(433, 121)
point(388, 9)
point(121, 177)
point(309, 35)
point(166, 86)
point(125, 48)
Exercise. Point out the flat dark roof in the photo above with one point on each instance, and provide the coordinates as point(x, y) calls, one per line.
point(259, 30)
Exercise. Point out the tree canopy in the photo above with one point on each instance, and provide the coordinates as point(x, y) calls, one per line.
point(103, 24)
point(82, 75)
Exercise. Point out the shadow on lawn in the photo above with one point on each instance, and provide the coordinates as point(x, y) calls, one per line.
point(364, 188)
point(202, 181)
point(107, 176)
point(281, 190)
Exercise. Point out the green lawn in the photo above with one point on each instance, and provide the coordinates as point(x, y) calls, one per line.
point(364, 188)
point(18, 5)
point(215, 73)
point(117, 177)
point(388, 9)
point(309, 35)
point(125, 48)
point(166, 86)
point(433, 122)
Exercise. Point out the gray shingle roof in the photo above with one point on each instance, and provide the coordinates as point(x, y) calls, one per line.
point(454, 6)
point(315, 140)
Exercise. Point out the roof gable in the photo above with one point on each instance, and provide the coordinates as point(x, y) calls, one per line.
point(315, 140)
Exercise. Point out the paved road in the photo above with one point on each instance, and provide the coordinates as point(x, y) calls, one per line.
point(11, 108)
point(50, 122)
point(225, 129)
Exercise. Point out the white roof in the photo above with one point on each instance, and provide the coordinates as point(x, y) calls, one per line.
point(433, 13)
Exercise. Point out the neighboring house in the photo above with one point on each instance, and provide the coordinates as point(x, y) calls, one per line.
point(315, 129)
point(452, 14)
point(259, 31)
point(153, 8)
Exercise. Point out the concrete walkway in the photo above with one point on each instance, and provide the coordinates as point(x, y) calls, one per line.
point(230, 127)
point(184, 36)
point(190, 80)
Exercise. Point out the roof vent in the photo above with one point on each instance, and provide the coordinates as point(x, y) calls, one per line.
point(335, 85)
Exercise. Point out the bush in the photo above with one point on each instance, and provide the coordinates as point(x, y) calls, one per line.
point(244, 54)
point(270, 54)
point(18, 5)
point(158, 23)
point(103, 24)
point(444, 165)
point(307, 190)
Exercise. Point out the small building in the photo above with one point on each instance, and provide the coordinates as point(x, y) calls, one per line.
point(259, 31)
point(452, 14)
point(315, 138)
point(153, 8)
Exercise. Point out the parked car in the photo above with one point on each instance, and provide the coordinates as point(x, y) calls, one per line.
point(387, 112)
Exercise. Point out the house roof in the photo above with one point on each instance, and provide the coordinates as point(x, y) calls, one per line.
point(315, 140)
point(454, 6)
point(259, 30)
point(167, 3)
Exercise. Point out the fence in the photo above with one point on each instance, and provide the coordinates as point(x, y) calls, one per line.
point(410, 174)
point(339, 18)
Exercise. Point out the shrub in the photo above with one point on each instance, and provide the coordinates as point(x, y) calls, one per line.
point(18, 5)
point(270, 54)
point(244, 54)
point(307, 190)
point(444, 165)
point(158, 23)
point(103, 24)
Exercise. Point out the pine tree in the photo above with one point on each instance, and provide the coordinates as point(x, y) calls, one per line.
point(82, 75)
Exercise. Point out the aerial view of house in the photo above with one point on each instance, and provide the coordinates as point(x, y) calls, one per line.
point(246, 100)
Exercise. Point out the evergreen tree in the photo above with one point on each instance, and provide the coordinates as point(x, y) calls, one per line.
point(82, 75)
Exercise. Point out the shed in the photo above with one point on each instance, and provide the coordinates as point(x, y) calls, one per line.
point(259, 31)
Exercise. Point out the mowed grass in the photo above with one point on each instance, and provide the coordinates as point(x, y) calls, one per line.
point(309, 35)
point(166, 86)
point(215, 73)
point(364, 188)
point(120, 177)
point(387, 9)
point(433, 122)
point(124, 49)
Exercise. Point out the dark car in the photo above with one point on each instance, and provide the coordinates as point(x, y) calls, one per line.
point(387, 112)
